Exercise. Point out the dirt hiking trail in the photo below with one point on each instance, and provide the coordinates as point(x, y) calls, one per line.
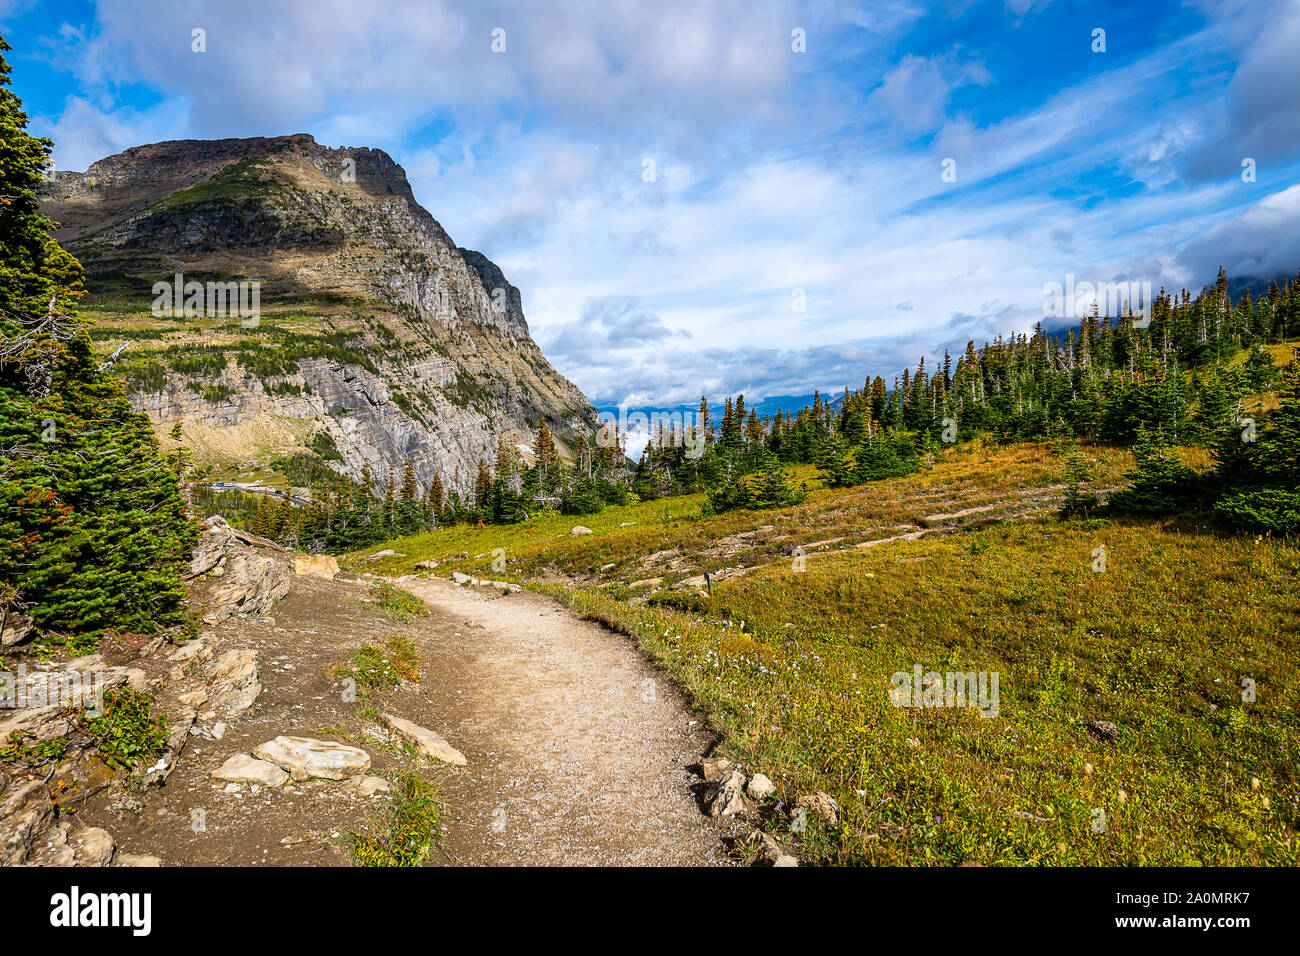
point(578, 748)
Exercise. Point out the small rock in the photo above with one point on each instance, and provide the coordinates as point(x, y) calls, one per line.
point(458, 577)
point(760, 787)
point(136, 859)
point(786, 861)
point(426, 741)
point(1103, 729)
point(305, 757)
point(768, 851)
point(714, 769)
point(821, 805)
point(369, 786)
point(579, 529)
point(728, 796)
point(242, 768)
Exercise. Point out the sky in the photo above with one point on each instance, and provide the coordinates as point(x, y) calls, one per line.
point(757, 196)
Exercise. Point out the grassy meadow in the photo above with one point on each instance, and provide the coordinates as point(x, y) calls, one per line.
point(792, 660)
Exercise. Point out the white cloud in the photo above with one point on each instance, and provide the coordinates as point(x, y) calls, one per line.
point(772, 174)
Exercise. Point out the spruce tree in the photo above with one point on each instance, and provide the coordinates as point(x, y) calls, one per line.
point(94, 532)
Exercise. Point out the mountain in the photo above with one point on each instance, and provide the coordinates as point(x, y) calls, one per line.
point(365, 332)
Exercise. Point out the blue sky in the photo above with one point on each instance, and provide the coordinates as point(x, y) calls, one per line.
point(780, 178)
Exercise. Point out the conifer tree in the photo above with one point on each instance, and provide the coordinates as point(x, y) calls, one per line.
point(93, 528)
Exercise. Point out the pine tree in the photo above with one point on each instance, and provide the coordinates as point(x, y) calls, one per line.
point(436, 493)
point(547, 458)
point(93, 527)
point(1160, 484)
point(482, 485)
point(410, 488)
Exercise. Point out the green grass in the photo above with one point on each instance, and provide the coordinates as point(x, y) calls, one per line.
point(396, 603)
point(795, 668)
point(375, 668)
point(543, 548)
point(405, 830)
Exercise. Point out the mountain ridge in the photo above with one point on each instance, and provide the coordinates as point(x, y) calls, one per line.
point(376, 329)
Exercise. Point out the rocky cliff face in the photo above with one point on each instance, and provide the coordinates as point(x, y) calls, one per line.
point(375, 330)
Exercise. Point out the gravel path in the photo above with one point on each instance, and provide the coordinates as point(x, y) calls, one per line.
point(578, 747)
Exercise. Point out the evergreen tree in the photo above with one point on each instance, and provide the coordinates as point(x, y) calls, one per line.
point(93, 528)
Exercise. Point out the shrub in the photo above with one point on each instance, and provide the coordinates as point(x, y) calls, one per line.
point(128, 731)
point(1270, 510)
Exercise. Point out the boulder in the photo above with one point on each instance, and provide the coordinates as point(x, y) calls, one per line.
point(251, 585)
point(426, 741)
point(92, 846)
point(178, 732)
point(199, 649)
point(242, 768)
point(234, 685)
point(458, 577)
point(52, 849)
point(323, 566)
point(579, 529)
point(25, 812)
point(305, 757)
point(215, 535)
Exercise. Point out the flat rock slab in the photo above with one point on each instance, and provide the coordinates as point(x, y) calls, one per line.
point(242, 768)
point(305, 757)
point(426, 741)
